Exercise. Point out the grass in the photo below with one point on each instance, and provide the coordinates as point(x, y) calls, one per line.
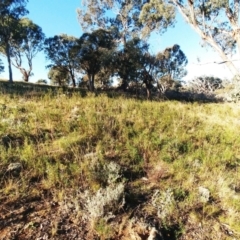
point(162, 151)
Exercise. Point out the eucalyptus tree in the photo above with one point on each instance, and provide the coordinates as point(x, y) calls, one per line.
point(171, 63)
point(126, 16)
point(104, 79)
point(216, 21)
point(169, 67)
point(10, 13)
point(147, 72)
point(62, 51)
point(129, 62)
point(59, 75)
point(165, 69)
point(95, 53)
point(27, 45)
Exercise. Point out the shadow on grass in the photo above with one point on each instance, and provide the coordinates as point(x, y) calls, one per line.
point(170, 95)
point(30, 90)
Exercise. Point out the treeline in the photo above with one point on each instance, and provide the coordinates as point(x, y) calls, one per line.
point(99, 57)
point(114, 48)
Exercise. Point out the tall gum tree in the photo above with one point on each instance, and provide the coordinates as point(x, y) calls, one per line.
point(171, 63)
point(126, 16)
point(28, 44)
point(129, 62)
point(165, 69)
point(62, 51)
point(59, 76)
point(216, 22)
point(170, 67)
point(130, 22)
point(10, 13)
point(96, 49)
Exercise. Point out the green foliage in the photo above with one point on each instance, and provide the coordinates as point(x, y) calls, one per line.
point(42, 81)
point(62, 51)
point(103, 230)
point(129, 61)
point(59, 76)
point(10, 13)
point(136, 66)
point(29, 42)
point(171, 62)
point(167, 68)
point(125, 16)
point(156, 15)
point(216, 23)
point(95, 53)
point(13, 8)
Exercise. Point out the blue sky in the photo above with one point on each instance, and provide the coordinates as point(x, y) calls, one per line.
point(59, 16)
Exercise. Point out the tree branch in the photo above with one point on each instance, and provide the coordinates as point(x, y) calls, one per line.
point(222, 62)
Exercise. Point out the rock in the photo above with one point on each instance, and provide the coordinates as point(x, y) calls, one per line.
point(14, 168)
point(204, 194)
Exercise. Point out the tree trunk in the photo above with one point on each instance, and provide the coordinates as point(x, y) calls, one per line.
point(73, 79)
point(148, 93)
point(124, 83)
point(224, 57)
point(93, 78)
point(147, 80)
point(9, 63)
point(91, 82)
point(148, 89)
point(25, 74)
point(26, 78)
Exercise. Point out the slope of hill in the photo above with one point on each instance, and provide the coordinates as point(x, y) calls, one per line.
point(94, 167)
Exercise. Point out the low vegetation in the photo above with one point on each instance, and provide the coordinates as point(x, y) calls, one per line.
point(88, 166)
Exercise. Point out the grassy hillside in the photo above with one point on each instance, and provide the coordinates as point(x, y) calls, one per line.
point(96, 167)
point(32, 89)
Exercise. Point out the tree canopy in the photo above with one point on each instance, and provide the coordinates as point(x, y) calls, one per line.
point(129, 61)
point(95, 52)
point(62, 51)
point(28, 43)
point(171, 63)
point(59, 75)
point(126, 16)
point(216, 22)
point(10, 13)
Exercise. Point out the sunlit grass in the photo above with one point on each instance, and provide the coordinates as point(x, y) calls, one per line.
point(173, 145)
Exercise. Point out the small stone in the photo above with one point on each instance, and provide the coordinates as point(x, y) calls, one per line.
point(204, 194)
point(14, 168)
